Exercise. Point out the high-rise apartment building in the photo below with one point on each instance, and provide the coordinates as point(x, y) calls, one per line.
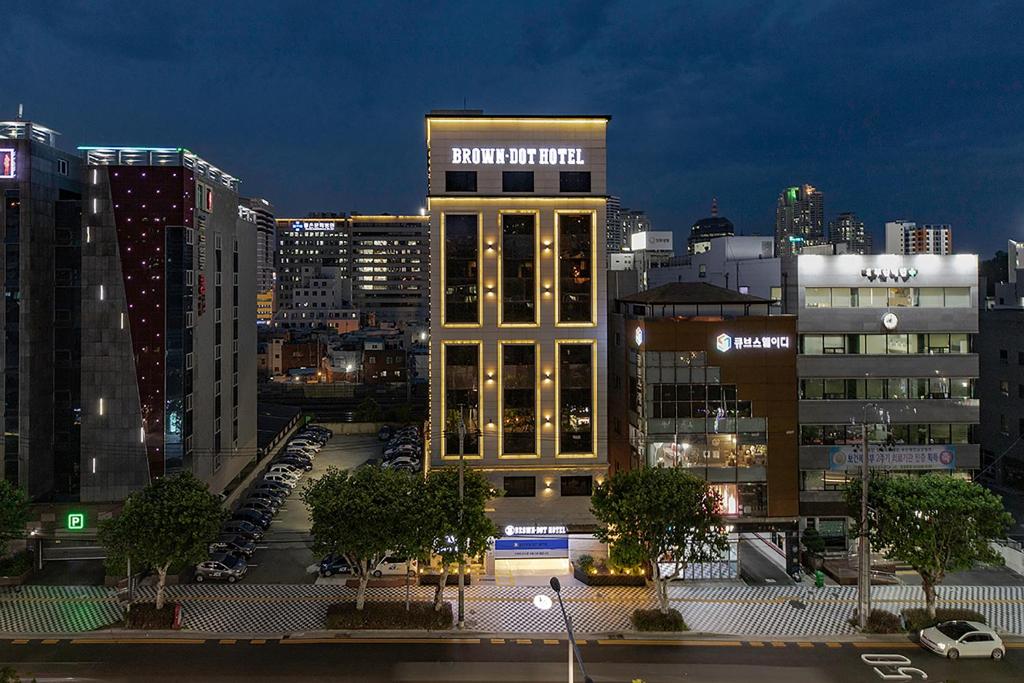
point(261, 213)
point(617, 241)
point(168, 321)
point(308, 249)
point(706, 229)
point(518, 324)
point(907, 237)
point(847, 228)
point(633, 221)
point(40, 348)
point(799, 219)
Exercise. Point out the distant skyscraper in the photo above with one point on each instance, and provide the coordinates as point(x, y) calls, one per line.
point(906, 237)
point(705, 229)
point(846, 227)
point(261, 212)
point(799, 219)
point(613, 220)
point(633, 221)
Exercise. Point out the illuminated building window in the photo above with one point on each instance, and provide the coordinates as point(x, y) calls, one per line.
point(461, 269)
point(575, 268)
point(575, 398)
point(518, 268)
point(461, 399)
point(518, 399)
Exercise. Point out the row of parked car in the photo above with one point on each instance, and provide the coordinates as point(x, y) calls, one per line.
point(229, 554)
point(403, 448)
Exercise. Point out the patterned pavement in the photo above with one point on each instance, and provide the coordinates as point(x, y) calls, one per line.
point(725, 609)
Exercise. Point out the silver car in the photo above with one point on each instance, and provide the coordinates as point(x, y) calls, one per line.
point(954, 639)
point(222, 567)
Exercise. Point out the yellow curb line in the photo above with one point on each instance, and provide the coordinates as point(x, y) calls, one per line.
point(375, 641)
point(50, 641)
point(833, 645)
point(227, 641)
point(678, 643)
point(898, 645)
point(497, 641)
point(548, 641)
point(805, 644)
point(140, 641)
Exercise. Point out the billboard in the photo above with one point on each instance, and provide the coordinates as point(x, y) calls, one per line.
point(897, 457)
point(8, 163)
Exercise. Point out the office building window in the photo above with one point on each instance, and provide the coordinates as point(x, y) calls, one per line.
point(461, 367)
point(1004, 356)
point(576, 398)
point(1004, 387)
point(877, 344)
point(517, 181)
point(574, 181)
point(460, 181)
point(1004, 425)
point(520, 487)
point(518, 268)
point(575, 241)
point(887, 297)
point(461, 269)
point(577, 486)
point(518, 399)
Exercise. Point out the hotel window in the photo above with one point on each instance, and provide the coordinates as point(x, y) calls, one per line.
point(520, 487)
point(461, 397)
point(575, 398)
point(461, 269)
point(577, 486)
point(460, 181)
point(517, 181)
point(575, 268)
point(518, 269)
point(518, 399)
point(574, 181)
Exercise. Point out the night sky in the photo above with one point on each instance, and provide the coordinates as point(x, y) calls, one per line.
point(894, 110)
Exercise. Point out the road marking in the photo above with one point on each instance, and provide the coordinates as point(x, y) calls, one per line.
point(376, 641)
point(140, 641)
point(1014, 646)
point(756, 643)
point(257, 641)
point(833, 645)
point(804, 643)
point(778, 643)
point(550, 641)
point(227, 641)
point(20, 642)
point(670, 643)
point(524, 641)
point(50, 641)
point(497, 641)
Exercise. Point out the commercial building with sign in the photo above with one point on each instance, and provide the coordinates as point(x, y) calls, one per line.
point(886, 340)
point(168, 321)
point(517, 327)
point(40, 346)
point(704, 378)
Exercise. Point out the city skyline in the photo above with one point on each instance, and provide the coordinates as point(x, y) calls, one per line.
point(929, 142)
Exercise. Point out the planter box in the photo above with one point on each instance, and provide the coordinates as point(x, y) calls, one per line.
point(452, 580)
point(608, 579)
point(20, 579)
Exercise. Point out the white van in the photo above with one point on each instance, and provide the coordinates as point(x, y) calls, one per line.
point(393, 566)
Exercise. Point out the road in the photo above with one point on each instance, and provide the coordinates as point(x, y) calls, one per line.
point(477, 660)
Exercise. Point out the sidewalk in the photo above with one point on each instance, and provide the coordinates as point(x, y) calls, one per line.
point(725, 610)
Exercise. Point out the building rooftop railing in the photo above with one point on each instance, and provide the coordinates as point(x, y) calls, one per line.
point(158, 156)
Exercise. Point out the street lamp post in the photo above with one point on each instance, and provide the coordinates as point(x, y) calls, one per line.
point(461, 624)
point(864, 545)
point(574, 649)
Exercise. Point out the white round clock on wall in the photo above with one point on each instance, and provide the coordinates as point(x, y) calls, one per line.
point(889, 320)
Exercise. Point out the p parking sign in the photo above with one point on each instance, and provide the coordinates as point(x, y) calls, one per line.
point(76, 521)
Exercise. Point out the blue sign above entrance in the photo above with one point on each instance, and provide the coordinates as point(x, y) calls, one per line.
point(521, 548)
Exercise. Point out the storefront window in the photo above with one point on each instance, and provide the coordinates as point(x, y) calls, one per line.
point(575, 268)
point(518, 269)
point(817, 297)
point(519, 399)
point(461, 397)
point(901, 297)
point(461, 269)
point(575, 398)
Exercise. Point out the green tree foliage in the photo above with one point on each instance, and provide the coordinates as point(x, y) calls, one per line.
point(451, 540)
point(934, 522)
point(169, 523)
point(364, 515)
point(368, 411)
point(13, 514)
point(661, 516)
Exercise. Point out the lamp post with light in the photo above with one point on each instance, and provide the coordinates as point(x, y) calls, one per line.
point(574, 649)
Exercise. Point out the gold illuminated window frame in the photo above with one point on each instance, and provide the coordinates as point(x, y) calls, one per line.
point(501, 400)
point(593, 267)
point(479, 270)
point(480, 394)
point(558, 397)
point(536, 266)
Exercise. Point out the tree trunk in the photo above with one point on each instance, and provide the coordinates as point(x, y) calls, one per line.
point(928, 585)
point(364, 578)
point(408, 568)
point(663, 595)
point(161, 581)
point(439, 591)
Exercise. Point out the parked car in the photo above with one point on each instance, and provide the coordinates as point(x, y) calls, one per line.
point(233, 543)
point(312, 435)
point(304, 465)
point(285, 468)
point(254, 517)
point(393, 566)
point(240, 527)
point(305, 442)
point(307, 450)
point(274, 487)
point(317, 428)
point(222, 567)
point(403, 461)
point(280, 478)
point(334, 564)
point(954, 639)
point(260, 505)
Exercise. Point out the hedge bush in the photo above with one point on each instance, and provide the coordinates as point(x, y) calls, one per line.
point(16, 564)
point(389, 615)
point(881, 621)
point(917, 618)
point(585, 562)
point(656, 620)
point(608, 579)
point(145, 616)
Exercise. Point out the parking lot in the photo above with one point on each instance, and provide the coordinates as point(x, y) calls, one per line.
point(284, 554)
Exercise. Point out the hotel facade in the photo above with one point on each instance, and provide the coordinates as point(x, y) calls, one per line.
point(518, 315)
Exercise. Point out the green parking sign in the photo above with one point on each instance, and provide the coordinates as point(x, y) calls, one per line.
point(76, 521)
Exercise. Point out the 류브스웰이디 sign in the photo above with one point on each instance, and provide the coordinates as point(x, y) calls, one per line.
point(896, 457)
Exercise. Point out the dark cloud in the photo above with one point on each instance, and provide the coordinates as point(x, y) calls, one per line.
point(893, 111)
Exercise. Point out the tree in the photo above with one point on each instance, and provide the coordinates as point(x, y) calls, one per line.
point(660, 515)
point(13, 514)
point(363, 515)
point(451, 540)
point(368, 411)
point(934, 522)
point(169, 523)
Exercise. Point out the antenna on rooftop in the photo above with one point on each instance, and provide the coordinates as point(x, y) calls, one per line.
point(21, 110)
point(714, 206)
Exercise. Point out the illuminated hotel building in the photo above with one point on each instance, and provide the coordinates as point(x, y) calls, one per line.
point(168, 321)
point(518, 312)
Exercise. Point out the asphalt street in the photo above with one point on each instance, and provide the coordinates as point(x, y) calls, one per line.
point(474, 660)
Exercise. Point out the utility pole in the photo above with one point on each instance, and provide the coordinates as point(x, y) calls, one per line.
point(864, 549)
point(458, 540)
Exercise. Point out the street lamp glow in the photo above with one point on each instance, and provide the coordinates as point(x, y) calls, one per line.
point(542, 602)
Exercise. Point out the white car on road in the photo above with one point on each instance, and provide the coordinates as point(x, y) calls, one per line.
point(954, 639)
